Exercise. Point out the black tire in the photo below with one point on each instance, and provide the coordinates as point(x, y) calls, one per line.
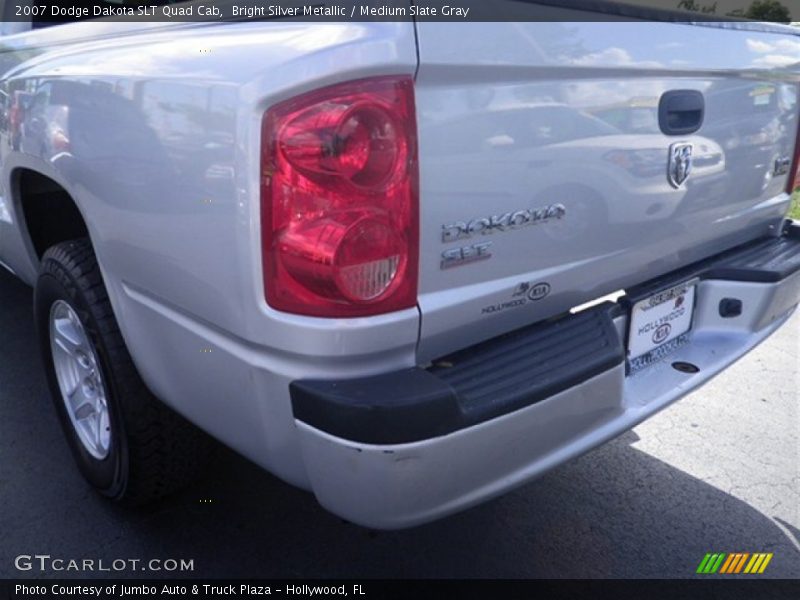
point(153, 451)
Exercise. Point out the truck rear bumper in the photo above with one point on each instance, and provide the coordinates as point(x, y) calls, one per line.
point(401, 449)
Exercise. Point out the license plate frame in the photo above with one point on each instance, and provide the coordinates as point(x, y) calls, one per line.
point(660, 323)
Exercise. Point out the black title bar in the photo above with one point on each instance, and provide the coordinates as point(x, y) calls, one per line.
point(108, 589)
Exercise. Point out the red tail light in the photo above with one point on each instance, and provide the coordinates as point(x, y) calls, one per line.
point(339, 206)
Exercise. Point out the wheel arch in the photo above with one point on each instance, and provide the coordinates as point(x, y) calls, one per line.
point(46, 211)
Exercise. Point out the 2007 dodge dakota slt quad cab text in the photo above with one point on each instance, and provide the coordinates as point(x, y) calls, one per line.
point(366, 255)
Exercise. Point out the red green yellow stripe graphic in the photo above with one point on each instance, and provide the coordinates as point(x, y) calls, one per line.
point(734, 562)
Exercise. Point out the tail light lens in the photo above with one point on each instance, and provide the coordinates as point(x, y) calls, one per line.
point(339, 205)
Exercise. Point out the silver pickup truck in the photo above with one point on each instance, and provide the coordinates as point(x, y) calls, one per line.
point(376, 258)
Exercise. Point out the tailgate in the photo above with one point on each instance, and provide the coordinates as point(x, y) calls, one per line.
point(546, 178)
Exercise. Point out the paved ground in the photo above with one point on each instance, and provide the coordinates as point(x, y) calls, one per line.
point(719, 471)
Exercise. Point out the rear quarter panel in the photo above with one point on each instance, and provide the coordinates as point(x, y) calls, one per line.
point(164, 127)
point(164, 130)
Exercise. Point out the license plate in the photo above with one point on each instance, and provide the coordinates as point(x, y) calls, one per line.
point(660, 324)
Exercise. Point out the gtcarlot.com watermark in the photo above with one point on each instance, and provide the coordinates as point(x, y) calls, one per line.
point(45, 563)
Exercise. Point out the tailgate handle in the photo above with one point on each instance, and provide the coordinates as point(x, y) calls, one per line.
point(680, 112)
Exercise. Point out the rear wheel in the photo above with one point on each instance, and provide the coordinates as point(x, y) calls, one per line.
point(127, 444)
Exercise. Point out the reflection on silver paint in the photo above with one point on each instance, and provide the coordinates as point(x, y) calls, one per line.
point(154, 130)
point(158, 143)
point(5, 215)
point(516, 114)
